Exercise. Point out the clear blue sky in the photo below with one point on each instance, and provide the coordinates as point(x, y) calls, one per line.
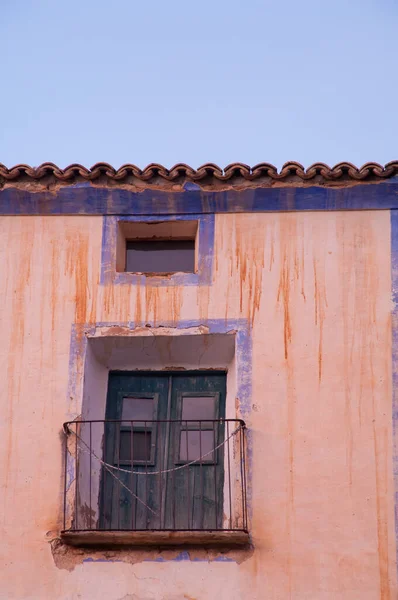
point(187, 81)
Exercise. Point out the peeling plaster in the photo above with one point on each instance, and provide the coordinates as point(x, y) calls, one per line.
point(68, 557)
point(80, 334)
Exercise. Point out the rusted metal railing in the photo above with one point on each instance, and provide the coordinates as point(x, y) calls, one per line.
point(155, 475)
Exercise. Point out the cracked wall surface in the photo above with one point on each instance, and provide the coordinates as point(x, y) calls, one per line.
point(315, 292)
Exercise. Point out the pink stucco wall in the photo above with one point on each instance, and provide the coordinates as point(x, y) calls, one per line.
point(316, 289)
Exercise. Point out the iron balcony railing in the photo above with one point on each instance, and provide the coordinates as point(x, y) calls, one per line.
point(155, 475)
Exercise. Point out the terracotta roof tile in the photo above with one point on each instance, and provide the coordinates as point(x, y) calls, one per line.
point(208, 176)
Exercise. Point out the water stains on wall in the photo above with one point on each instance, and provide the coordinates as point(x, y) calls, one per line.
point(315, 288)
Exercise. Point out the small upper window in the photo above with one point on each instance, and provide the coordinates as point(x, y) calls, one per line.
point(157, 248)
point(160, 256)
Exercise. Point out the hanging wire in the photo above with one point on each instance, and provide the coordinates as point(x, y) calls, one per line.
point(160, 472)
point(106, 466)
point(110, 468)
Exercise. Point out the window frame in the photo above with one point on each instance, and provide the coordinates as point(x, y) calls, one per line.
point(113, 250)
point(203, 426)
point(152, 428)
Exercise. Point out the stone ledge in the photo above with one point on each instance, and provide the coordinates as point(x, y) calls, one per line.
point(165, 538)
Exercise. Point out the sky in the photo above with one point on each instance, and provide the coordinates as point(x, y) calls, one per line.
point(217, 81)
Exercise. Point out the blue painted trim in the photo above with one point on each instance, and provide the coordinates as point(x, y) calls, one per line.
point(204, 275)
point(89, 200)
point(104, 560)
point(394, 282)
point(183, 556)
point(243, 353)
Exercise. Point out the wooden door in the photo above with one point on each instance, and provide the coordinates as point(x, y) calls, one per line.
point(163, 475)
point(132, 491)
point(195, 460)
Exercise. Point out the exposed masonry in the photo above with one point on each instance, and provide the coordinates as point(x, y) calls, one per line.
point(68, 557)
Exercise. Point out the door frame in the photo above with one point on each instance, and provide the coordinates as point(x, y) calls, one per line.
point(170, 373)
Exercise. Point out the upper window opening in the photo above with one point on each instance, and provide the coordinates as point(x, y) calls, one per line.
point(136, 409)
point(167, 256)
point(157, 248)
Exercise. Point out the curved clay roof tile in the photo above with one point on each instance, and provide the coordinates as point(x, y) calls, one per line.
point(207, 172)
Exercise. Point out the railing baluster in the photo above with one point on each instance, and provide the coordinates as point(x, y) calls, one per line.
point(242, 476)
point(146, 478)
point(105, 476)
point(229, 478)
point(113, 481)
point(119, 475)
point(245, 524)
point(215, 473)
point(133, 500)
point(160, 474)
point(91, 472)
point(201, 478)
point(174, 455)
point(187, 474)
point(76, 484)
point(65, 471)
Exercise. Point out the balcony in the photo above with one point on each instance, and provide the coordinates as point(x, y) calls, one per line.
point(155, 483)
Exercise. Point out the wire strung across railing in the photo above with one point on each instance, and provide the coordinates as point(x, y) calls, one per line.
point(161, 471)
point(124, 450)
point(109, 467)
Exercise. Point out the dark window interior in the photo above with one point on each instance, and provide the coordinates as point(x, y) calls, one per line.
point(167, 256)
point(142, 441)
point(194, 443)
point(133, 410)
point(198, 407)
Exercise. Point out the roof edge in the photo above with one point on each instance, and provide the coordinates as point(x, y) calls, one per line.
point(207, 176)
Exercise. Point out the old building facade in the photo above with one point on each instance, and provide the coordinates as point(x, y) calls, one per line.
point(198, 374)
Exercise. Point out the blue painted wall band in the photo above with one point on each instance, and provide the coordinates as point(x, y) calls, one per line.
point(85, 199)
